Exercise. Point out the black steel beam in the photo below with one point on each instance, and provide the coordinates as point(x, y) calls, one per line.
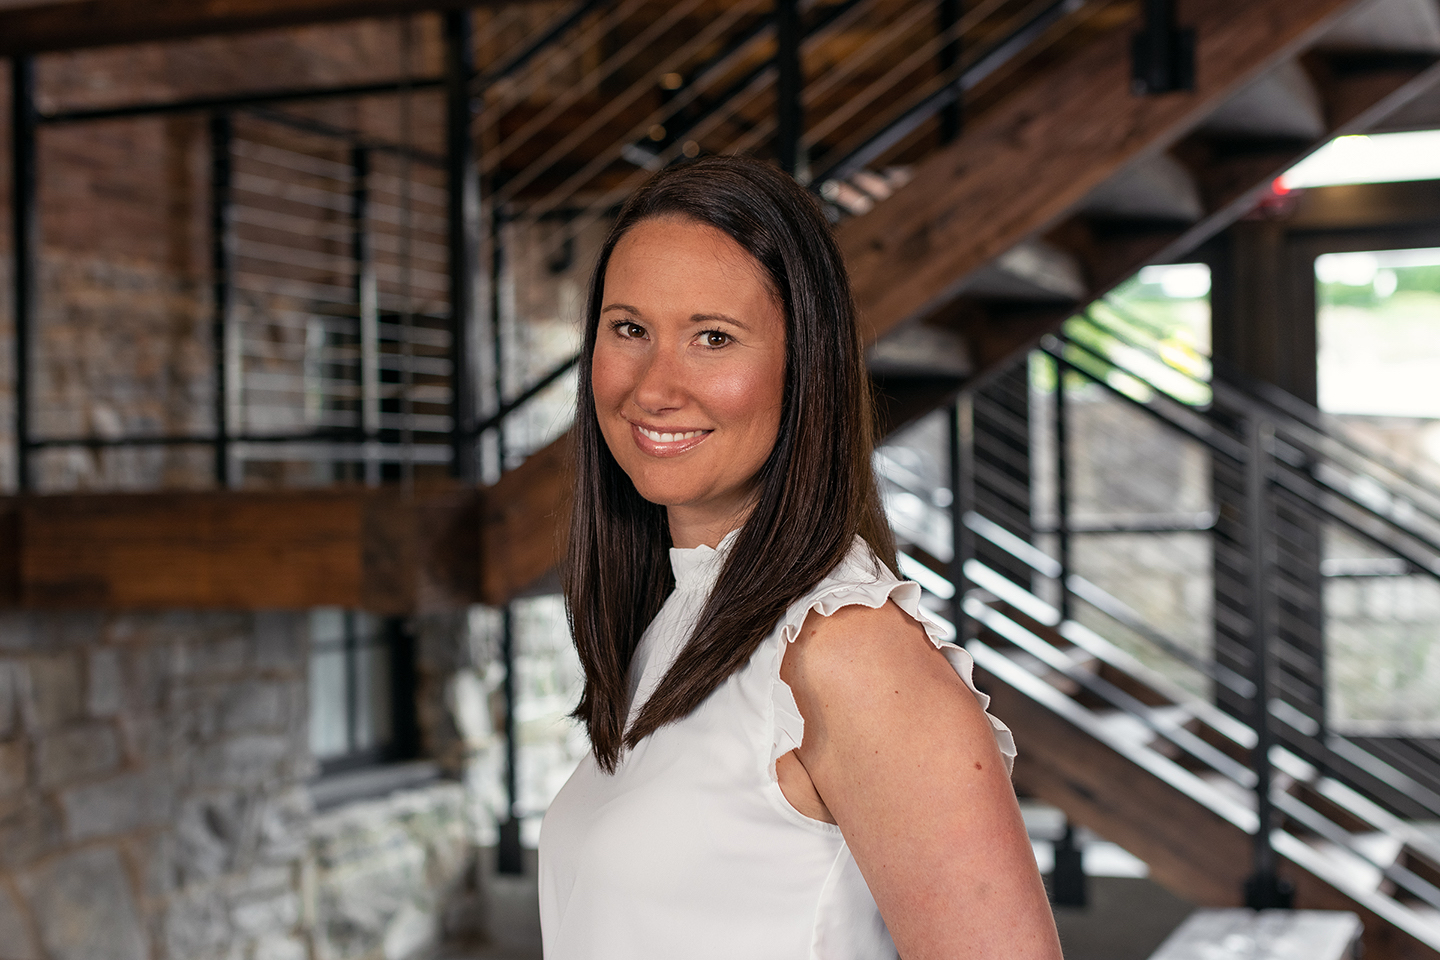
point(463, 214)
point(509, 857)
point(1163, 54)
point(1264, 888)
point(789, 85)
point(239, 101)
point(1062, 484)
point(962, 501)
point(25, 248)
point(949, 58)
point(222, 256)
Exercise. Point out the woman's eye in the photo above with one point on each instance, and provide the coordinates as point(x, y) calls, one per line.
point(714, 338)
point(631, 331)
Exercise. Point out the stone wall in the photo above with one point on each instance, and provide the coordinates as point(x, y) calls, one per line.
point(391, 877)
point(152, 785)
point(154, 801)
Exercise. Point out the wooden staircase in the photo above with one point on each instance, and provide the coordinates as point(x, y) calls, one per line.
point(1063, 183)
point(1055, 193)
point(1167, 777)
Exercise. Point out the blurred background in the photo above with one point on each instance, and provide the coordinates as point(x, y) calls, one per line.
point(292, 296)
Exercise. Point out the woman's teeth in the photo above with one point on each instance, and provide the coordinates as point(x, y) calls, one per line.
point(658, 437)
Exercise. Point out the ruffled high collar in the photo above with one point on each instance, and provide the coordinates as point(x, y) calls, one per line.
point(696, 568)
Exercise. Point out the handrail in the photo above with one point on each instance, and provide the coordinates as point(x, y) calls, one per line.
point(1220, 442)
point(1283, 411)
point(1298, 473)
point(1250, 406)
point(967, 78)
point(1291, 806)
point(524, 396)
point(1167, 728)
point(1108, 604)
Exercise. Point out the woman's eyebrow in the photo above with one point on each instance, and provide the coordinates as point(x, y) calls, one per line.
point(620, 306)
point(718, 317)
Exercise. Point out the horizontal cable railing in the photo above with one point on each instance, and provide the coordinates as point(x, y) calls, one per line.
point(670, 93)
point(993, 592)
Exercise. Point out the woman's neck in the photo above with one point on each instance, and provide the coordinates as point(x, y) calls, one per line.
point(689, 530)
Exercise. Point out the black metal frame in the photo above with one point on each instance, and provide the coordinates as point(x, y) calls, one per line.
point(1274, 468)
point(222, 253)
point(394, 637)
point(1162, 53)
point(1278, 466)
point(24, 127)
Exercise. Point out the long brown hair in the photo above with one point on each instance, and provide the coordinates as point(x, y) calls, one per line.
point(815, 492)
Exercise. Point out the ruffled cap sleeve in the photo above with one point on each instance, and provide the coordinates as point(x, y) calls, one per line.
point(855, 583)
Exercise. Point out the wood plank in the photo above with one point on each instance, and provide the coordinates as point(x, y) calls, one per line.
point(1021, 167)
point(380, 550)
point(192, 550)
point(76, 24)
point(1230, 175)
point(524, 521)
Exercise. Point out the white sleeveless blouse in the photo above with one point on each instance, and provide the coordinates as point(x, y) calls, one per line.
point(690, 850)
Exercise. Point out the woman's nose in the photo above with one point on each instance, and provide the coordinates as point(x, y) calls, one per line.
point(661, 384)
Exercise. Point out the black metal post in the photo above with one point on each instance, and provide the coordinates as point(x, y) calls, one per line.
point(25, 249)
point(497, 334)
point(1062, 484)
point(1162, 54)
point(351, 638)
point(510, 859)
point(222, 246)
point(1068, 886)
point(1264, 889)
point(367, 307)
point(962, 501)
point(788, 115)
point(951, 117)
point(463, 234)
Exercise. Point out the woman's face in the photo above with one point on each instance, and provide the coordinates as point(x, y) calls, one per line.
point(689, 372)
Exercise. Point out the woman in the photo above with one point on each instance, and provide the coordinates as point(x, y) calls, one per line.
point(786, 761)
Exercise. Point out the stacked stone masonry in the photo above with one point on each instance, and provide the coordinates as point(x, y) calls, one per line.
point(154, 803)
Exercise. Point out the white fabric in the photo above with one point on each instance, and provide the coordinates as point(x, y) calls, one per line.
point(690, 849)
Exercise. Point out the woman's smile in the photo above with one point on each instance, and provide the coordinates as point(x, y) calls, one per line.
point(688, 373)
point(667, 443)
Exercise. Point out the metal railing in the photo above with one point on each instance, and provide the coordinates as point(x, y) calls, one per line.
point(1281, 471)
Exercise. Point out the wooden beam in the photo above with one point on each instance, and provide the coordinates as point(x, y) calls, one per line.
point(75, 24)
point(1021, 167)
point(525, 519)
point(378, 550)
point(1018, 171)
point(1231, 176)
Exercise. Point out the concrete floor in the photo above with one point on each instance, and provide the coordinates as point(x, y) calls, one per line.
point(512, 909)
point(1126, 919)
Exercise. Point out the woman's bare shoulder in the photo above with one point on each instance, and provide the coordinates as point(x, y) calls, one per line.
point(901, 756)
point(857, 645)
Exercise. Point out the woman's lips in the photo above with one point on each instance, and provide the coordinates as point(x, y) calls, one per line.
point(666, 443)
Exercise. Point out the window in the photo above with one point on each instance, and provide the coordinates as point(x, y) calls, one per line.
point(362, 689)
point(1378, 320)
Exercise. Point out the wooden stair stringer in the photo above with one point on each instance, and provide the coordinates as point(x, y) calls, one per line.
point(1192, 836)
point(1020, 170)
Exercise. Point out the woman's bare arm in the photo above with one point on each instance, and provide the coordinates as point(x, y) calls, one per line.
point(904, 760)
